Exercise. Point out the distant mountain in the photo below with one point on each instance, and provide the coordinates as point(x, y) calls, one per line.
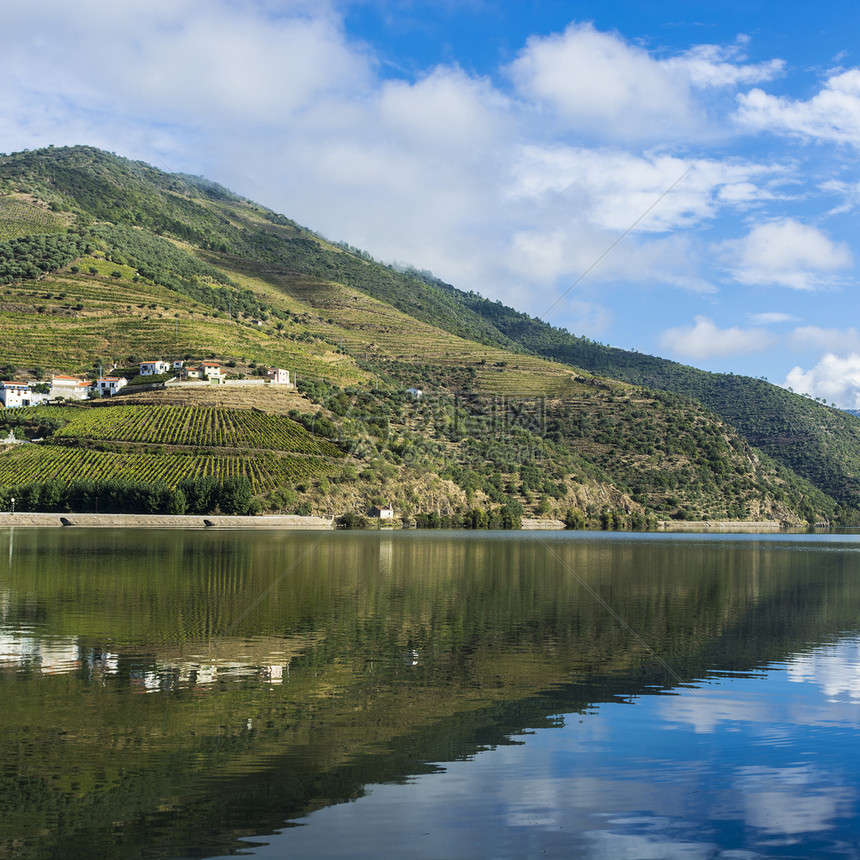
point(103, 259)
point(819, 442)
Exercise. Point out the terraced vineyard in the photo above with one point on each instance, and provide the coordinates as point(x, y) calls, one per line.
point(194, 426)
point(19, 217)
point(373, 330)
point(37, 463)
point(66, 320)
point(270, 450)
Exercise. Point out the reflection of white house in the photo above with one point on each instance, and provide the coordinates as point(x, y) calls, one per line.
point(52, 656)
point(154, 368)
point(69, 387)
point(109, 385)
point(18, 394)
point(279, 375)
point(168, 674)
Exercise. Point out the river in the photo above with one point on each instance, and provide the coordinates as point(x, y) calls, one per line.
point(428, 694)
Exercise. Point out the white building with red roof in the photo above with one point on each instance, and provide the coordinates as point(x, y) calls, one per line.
point(109, 385)
point(69, 387)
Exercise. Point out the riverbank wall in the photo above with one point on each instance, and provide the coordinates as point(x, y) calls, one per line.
point(161, 521)
point(718, 525)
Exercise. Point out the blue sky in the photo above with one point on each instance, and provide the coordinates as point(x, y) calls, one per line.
point(507, 147)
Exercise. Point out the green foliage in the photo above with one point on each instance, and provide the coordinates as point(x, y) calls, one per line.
point(22, 218)
point(191, 426)
point(820, 444)
point(161, 262)
point(30, 257)
point(233, 496)
point(236, 496)
point(200, 494)
point(574, 519)
point(265, 470)
point(351, 520)
point(504, 517)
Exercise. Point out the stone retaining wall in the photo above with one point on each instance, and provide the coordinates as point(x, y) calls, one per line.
point(161, 521)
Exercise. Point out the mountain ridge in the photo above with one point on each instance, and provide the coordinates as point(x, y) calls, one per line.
point(196, 267)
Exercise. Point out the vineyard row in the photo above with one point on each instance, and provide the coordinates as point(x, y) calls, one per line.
point(36, 463)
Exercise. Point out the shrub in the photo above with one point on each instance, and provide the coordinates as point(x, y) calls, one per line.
point(574, 519)
point(236, 495)
point(351, 520)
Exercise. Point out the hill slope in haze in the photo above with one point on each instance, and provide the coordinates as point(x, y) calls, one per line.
point(105, 260)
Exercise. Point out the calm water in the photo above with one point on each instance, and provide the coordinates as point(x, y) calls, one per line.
point(428, 695)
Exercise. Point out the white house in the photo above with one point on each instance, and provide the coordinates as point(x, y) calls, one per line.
point(154, 368)
point(417, 393)
point(211, 370)
point(109, 385)
point(178, 365)
point(278, 375)
point(69, 387)
point(16, 394)
point(386, 512)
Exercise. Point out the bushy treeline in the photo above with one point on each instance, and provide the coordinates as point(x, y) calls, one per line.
point(608, 519)
point(155, 258)
point(30, 257)
point(163, 263)
point(499, 518)
point(505, 517)
point(233, 495)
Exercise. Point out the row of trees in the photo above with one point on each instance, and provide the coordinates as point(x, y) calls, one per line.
point(504, 517)
point(608, 519)
point(497, 518)
point(233, 495)
point(30, 257)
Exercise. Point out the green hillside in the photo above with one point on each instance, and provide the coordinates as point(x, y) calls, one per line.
point(819, 442)
point(107, 261)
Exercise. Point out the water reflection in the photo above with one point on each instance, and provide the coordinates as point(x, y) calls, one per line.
point(172, 693)
point(647, 778)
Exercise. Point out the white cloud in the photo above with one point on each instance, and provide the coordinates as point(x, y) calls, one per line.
point(833, 114)
point(831, 339)
point(772, 317)
point(612, 188)
point(722, 66)
point(835, 379)
point(599, 83)
point(786, 253)
point(588, 318)
point(189, 61)
point(705, 340)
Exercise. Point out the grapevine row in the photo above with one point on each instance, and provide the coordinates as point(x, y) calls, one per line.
point(196, 426)
point(33, 463)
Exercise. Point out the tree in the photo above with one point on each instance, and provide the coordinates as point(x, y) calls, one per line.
point(236, 496)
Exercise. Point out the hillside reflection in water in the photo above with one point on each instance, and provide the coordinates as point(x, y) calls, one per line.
point(474, 695)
